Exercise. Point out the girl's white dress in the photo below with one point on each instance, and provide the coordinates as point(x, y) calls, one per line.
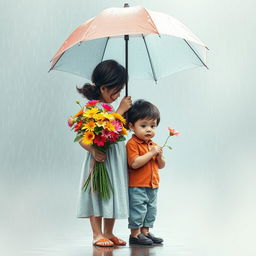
point(89, 203)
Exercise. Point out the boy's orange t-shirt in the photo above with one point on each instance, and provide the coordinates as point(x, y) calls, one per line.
point(147, 175)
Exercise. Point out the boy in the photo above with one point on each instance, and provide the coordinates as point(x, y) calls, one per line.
point(144, 159)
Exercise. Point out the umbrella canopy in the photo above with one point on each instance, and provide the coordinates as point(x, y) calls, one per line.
point(159, 44)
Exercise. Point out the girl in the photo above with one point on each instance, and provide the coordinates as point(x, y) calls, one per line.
point(108, 79)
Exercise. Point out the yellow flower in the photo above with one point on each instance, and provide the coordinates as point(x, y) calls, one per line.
point(89, 126)
point(91, 112)
point(88, 138)
point(100, 123)
point(124, 131)
point(108, 116)
point(99, 116)
point(119, 117)
point(109, 126)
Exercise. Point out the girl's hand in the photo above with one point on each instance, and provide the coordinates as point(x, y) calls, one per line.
point(99, 156)
point(125, 104)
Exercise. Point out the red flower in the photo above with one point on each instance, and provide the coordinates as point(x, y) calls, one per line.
point(91, 103)
point(78, 125)
point(99, 140)
point(113, 136)
point(106, 107)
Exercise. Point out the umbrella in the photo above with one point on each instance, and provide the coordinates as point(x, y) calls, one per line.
point(159, 45)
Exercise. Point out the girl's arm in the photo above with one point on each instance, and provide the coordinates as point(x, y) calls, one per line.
point(125, 104)
point(97, 155)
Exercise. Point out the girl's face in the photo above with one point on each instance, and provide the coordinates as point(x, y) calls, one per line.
point(109, 95)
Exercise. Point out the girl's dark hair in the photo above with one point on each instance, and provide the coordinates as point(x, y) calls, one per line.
point(142, 109)
point(107, 73)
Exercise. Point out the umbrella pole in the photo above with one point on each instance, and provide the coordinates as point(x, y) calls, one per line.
point(126, 38)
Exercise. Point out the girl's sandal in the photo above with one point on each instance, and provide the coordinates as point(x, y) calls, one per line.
point(103, 242)
point(117, 241)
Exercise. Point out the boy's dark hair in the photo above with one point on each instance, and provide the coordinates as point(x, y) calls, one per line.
point(107, 73)
point(142, 109)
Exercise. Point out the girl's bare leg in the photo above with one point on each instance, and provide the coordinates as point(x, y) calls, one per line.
point(96, 223)
point(108, 227)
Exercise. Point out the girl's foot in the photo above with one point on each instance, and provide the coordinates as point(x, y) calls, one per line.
point(102, 241)
point(115, 240)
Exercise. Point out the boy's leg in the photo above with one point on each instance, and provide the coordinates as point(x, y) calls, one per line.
point(137, 208)
point(137, 212)
point(151, 215)
point(144, 230)
point(151, 209)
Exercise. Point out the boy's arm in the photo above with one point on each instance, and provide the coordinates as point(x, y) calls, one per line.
point(139, 161)
point(160, 160)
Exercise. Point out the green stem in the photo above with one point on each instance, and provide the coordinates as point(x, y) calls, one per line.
point(166, 141)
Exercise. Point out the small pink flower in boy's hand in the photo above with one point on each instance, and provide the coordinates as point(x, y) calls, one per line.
point(70, 121)
point(106, 107)
point(173, 132)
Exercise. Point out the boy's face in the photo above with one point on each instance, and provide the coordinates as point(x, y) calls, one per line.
point(144, 129)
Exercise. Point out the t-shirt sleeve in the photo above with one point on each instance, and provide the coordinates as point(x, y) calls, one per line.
point(132, 152)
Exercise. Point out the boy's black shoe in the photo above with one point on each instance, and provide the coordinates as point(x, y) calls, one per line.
point(156, 240)
point(141, 240)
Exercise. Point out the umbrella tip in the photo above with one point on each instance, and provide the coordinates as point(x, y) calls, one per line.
point(126, 5)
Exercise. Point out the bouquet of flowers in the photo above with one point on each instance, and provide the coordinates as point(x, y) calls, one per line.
point(172, 132)
point(98, 127)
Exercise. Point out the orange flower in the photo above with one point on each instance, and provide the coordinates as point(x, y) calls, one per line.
point(79, 113)
point(124, 131)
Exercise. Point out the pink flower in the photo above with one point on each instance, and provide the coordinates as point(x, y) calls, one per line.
point(99, 140)
point(173, 132)
point(91, 103)
point(70, 121)
point(118, 125)
point(106, 107)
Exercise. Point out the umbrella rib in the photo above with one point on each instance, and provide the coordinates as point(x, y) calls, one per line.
point(55, 63)
point(149, 57)
point(104, 50)
point(195, 53)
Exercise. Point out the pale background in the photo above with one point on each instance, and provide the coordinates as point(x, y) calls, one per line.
point(207, 195)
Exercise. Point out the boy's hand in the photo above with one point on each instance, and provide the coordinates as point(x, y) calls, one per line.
point(156, 150)
point(125, 104)
point(160, 154)
point(98, 155)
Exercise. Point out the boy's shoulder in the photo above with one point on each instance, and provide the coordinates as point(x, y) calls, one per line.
point(131, 141)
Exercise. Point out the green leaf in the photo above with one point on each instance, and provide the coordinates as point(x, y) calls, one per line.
point(169, 147)
point(78, 138)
